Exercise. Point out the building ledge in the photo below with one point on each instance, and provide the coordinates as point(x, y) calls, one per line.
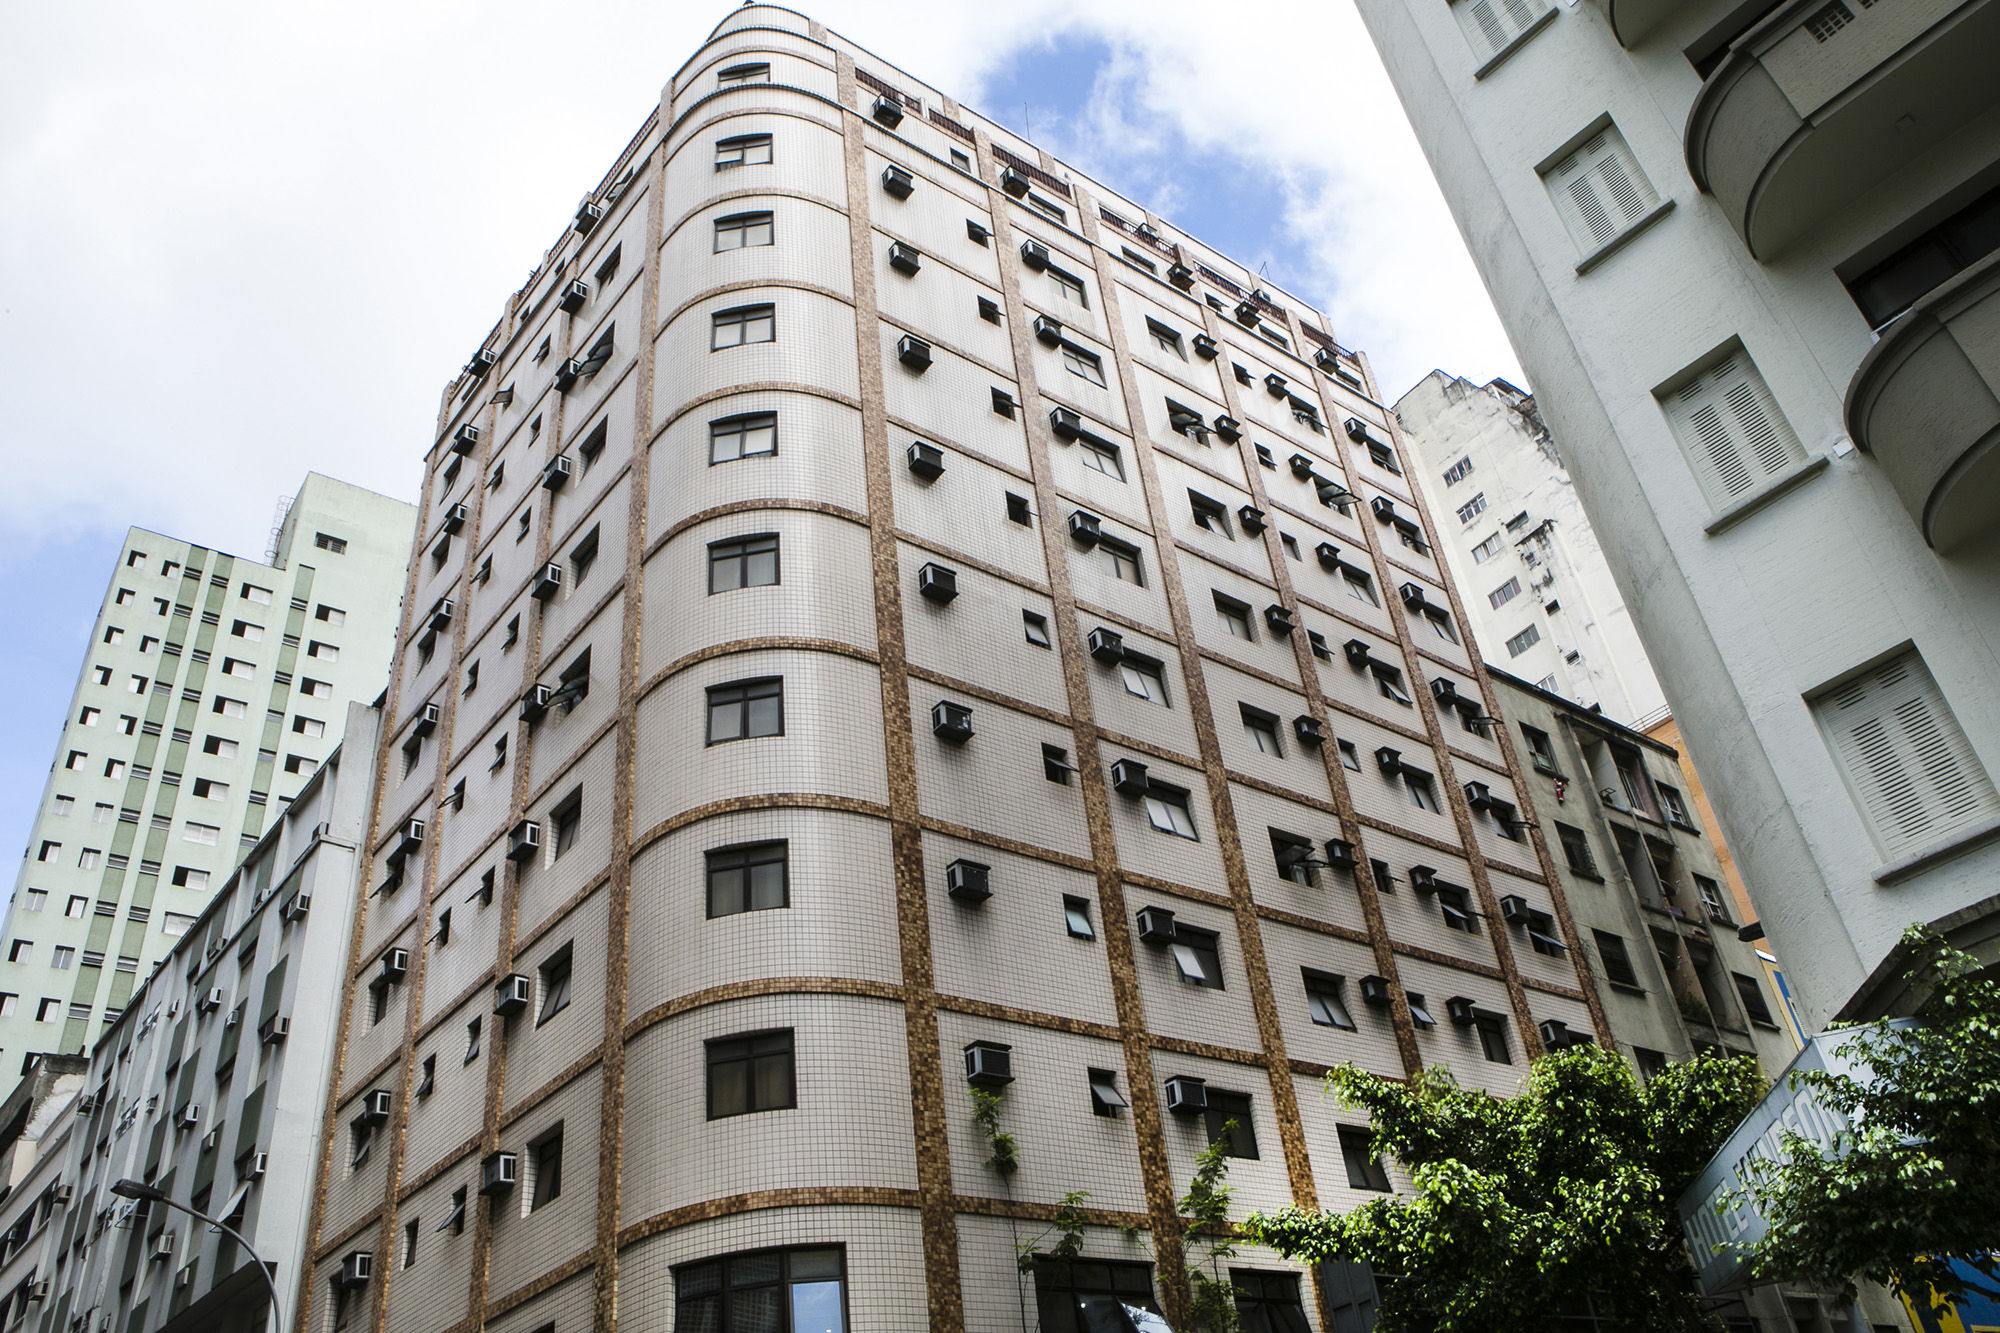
point(1618, 242)
point(1937, 853)
point(1765, 494)
point(1519, 40)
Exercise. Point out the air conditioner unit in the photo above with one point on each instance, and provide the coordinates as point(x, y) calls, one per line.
point(210, 1140)
point(1252, 519)
point(1186, 1095)
point(1229, 428)
point(1278, 619)
point(588, 214)
point(556, 474)
point(163, 1246)
point(428, 719)
point(1085, 528)
point(1412, 595)
point(62, 1194)
point(1065, 424)
point(905, 258)
point(1478, 795)
point(989, 1064)
point(1389, 759)
point(1308, 730)
point(574, 294)
point(1340, 854)
point(535, 703)
point(376, 1105)
point(926, 460)
point(525, 841)
point(1462, 1012)
point(1013, 182)
point(1277, 385)
point(511, 994)
point(184, 1278)
point(1328, 554)
point(1301, 465)
point(548, 583)
point(888, 111)
point(37, 1291)
point(188, 1116)
point(937, 583)
point(1204, 347)
point(1445, 692)
point(951, 722)
point(499, 1172)
point(1556, 1035)
point(274, 1029)
point(482, 361)
point(441, 615)
point(395, 964)
point(465, 439)
point(210, 999)
point(86, 1104)
point(455, 517)
point(1384, 508)
point(413, 837)
point(1035, 255)
point(1156, 925)
point(567, 374)
point(1128, 777)
point(1325, 359)
point(259, 1164)
point(968, 881)
point(357, 1267)
point(1180, 275)
point(1106, 645)
point(296, 907)
point(914, 352)
point(1423, 879)
point(898, 182)
point(235, 1017)
point(1514, 909)
point(1375, 991)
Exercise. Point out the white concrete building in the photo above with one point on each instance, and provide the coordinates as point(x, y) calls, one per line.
point(212, 687)
point(1539, 595)
point(1746, 256)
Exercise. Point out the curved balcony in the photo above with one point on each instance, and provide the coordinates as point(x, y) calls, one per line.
point(1631, 20)
point(1925, 402)
point(1826, 99)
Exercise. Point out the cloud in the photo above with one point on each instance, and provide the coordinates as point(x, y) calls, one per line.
point(247, 241)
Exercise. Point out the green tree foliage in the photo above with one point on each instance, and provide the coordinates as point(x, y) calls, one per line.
point(1526, 1207)
point(1205, 1209)
point(1917, 1182)
point(1005, 1159)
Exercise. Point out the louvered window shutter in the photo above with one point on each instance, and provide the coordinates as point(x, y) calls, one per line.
point(1731, 430)
point(1600, 191)
point(1908, 765)
point(1490, 24)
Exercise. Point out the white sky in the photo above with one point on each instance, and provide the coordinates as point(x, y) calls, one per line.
point(265, 235)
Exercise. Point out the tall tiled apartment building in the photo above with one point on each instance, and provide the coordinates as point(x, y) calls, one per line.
point(211, 689)
point(1748, 255)
point(892, 617)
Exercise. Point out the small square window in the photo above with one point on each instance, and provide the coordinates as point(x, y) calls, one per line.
point(743, 150)
point(751, 435)
point(1087, 366)
point(1227, 1121)
point(743, 562)
point(1364, 1165)
point(743, 325)
point(1101, 456)
point(1325, 999)
point(743, 231)
point(1018, 510)
point(1144, 677)
point(1210, 515)
point(545, 1168)
point(989, 310)
point(1235, 617)
point(744, 709)
point(1037, 629)
point(1076, 916)
point(1492, 1031)
point(1260, 729)
point(1198, 955)
point(1167, 808)
point(555, 979)
point(751, 1073)
point(567, 819)
point(752, 877)
point(1124, 561)
point(1166, 339)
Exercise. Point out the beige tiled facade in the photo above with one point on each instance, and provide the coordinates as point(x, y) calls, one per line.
point(880, 976)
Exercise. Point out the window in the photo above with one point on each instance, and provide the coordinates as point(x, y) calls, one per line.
point(219, 746)
point(1018, 510)
point(230, 667)
point(1294, 857)
point(1472, 508)
point(19, 950)
point(472, 1041)
point(1325, 1000)
point(742, 150)
point(512, 634)
point(1056, 766)
point(114, 635)
point(1491, 26)
point(1523, 641)
point(1389, 683)
point(205, 834)
point(1458, 472)
point(1906, 762)
point(1076, 917)
point(1617, 960)
point(47, 1010)
point(64, 958)
point(326, 542)
point(977, 234)
point(735, 74)
point(752, 877)
point(1084, 365)
point(308, 726)
point(1101, 455)
point(1359, 586)
point(1505, 593)
point(545, 1168)
point(313, 689)
point(1422, 794)
point(1677, 811)
point(1894, 284)
point(1144, 677)
point(324, 652)
point(1364, 1165)
point(411, 1230)
point(1210, 515)
point(1541, 750)
point(1089, 1295)
point(1166, 339)
point(37, 899)
point(744, 709)
point(77, 908)
point(1167, 808)
point(1235, 617)
point(1070, 288)
point(742, 231)
point(1260, 729)
point(1133, 257)
point(1754, 1003)
point(743, 562)
point(555, 985)
point(1487, 549)
point(750, 1073)
point(1711, 899)
point(1036, 627)
point(1198, 955)
point(989, 310)
point(742, 325)
point(205, 789)
point(1228, 1122)
point(1492, 1030)
point(765, 1291)
point(1729, 427)
point(746, 436)
point(1291, 545)
point(1124, 560)
point(568, 821)
point(1600, 191)
point(591, 447)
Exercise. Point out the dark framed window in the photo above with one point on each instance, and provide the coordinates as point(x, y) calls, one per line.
point(1492, 1030)
point(1228, 1122)
point(1145, 677)
point(750, 1073)
point(764, 1291)
point(745, 709)
point(1422, 794)
point(1325, 999)
point(742, 325)
point(1076, 916)
point(1210, 515)
point(751, 435)
point(567, 820)
point(545, 1163)
point(1198, 954)
point(1102, 456)
point(743, 562)
point(1617, 960)
point(1364, 1166)
point(1089, 1295)
point(1260, 729)
point(1167, 808)
point(1541, 750)
point(1576, 851)
point(1036, 627)
point(1294, 857)
point(743, 231)
point(555, 977)
point(1268, 1302)
point(1754, 1003)
point(750, 877)
point(1235, 617)
point(1085, 365)
point(1124, 560)
point(743, 150)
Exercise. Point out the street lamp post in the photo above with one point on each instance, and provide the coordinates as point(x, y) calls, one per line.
point(133, 1189)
